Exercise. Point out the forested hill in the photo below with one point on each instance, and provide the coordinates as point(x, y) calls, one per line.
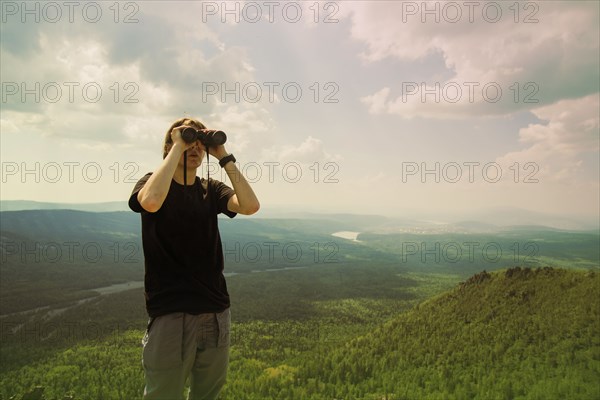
point(510, 334)
point(518, 333)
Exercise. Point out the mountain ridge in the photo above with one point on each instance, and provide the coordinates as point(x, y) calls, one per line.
point(507, 331)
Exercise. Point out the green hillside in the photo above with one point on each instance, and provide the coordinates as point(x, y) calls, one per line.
point(519, 333)
point(511, 334)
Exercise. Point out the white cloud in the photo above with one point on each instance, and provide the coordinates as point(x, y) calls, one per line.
point(247, 127)
point(149, 73)
point(311, 150)
point(558, 146)
point(376, 101)
point(558, 54)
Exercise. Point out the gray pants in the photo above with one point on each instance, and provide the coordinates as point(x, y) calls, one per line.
point(179, 345)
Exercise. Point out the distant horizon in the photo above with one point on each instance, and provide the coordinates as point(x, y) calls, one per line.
point(296, 207)
point(509, 216)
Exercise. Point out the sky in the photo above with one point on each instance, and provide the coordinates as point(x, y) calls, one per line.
point(380, 107)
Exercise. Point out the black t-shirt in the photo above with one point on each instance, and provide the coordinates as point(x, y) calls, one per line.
point(183, 254)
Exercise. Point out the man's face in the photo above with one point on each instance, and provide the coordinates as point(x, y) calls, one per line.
point(195, 154)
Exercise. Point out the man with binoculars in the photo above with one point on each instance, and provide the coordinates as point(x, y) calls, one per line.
point(186, 293)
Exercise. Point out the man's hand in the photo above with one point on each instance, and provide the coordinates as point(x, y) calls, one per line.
point(217, 151)
point(178, 140)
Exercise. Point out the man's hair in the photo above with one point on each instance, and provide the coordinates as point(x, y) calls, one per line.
point(181, 121)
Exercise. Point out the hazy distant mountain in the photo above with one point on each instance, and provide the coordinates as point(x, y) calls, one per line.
point(18, 205)
point(512, 216)
point(71, 224)
point(486, 220)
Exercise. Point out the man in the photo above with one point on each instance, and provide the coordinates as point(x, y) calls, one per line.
point(186, 293)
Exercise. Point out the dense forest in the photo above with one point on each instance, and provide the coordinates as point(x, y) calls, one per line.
point(500, 335)
point(393, 315)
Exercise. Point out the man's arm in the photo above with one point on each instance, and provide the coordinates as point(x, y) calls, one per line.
point(244, 200)
point(154, 192)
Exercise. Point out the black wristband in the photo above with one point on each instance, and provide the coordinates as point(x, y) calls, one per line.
point(226, 159)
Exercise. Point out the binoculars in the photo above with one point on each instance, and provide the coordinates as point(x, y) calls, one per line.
point(208, 137)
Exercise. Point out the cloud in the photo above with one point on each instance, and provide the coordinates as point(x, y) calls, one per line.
point(558, 147)
point(100, 81)
point(552, 59)
point(377, 101)
point(308, 152)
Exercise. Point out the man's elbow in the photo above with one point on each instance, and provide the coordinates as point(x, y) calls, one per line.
point(150, 205)
point(251, 209)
